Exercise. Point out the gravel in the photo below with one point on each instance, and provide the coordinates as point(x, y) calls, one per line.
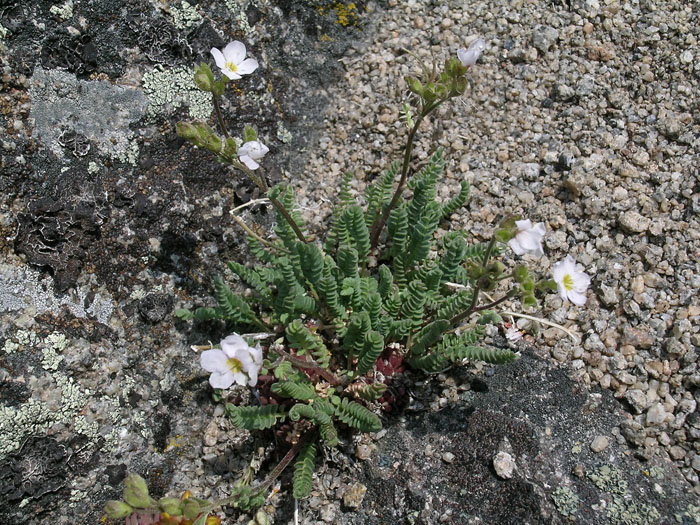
point(584, 118)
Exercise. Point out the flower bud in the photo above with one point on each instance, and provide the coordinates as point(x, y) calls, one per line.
point(474, 270)
point(547, 284)
point(504, 235)
point(213, 143)
point(117, 509)
point(186, 130)
point(190, 509)
point(203, 77)
point(495, 269)
point(218, 88)
point(520, 273)
point(529, 300)
point(528, 285)
point(172, 506)
point(136, 492)
point(415, 85)
point(249, 134)
point(486, 283)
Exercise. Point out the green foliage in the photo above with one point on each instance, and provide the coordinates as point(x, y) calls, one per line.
point(298, 391)
point(304, 471)
point(304, 342)
point(335, 306)
point(255, 418)
point(357, 416)
point(372, 347)
point(371, 392)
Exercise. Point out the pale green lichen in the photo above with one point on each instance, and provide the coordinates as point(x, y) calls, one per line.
point(566, 501)
point(608, 479)
point(172, 88)
point(93, 168)
point(576, 449)
point(64, 12)
point(10, 346)
point(55, 343)
point(185, 16)
point(283, 134)
point(130, 155)
point(691, 513)
point(623, 509)
point(3, 32)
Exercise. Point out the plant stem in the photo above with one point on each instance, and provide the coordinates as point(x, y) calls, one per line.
point(311, 365)
point(380, 221)
point(279, 468)
point(466, 313)
point(255, 235)
point(498, 301)
point(219, 116)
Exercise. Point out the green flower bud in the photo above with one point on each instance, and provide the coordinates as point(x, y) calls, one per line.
point(190, 509)
point(117, 509)
point(529, 300)
point(415, 85)
point(486, 283)
point(495, 269)
point(218, 88)
point(136, 492)
point(520, 273)
point(474, 270)
point(172, 506)
point(186, 130)
point(261, 518)
point(214, 144)
point(203, 77)
point(249, 134)
point(528, 285)
point(547, 284)
point(504, 235)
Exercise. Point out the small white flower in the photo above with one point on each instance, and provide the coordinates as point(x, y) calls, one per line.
point(235, 362)
point(571, 281)
point(513, 334)
point(469, 56)
point(232, 61)
point(528, 240)
point(251, 151)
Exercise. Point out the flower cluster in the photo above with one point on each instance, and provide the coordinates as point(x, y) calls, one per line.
point(233, 64)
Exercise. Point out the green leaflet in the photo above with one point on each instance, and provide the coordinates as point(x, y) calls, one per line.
point(255, 418)
point(252, 277)
point(298, 391)
point(304, 342)
point(232, 306)
point(379, 193)
point(357, 416)
point(371, 392)
point(494, 356)
point(302, 480)
point(301, 410)
point(455, 202)
point(428, 336)
point(371, 349)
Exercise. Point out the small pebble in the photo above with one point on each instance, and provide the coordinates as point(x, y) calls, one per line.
point(599, 444)
point(504, 465)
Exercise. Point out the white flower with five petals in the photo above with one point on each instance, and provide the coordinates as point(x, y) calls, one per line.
point(572, 282)
point(528, 240)
point(235, 362)
point(232, 61)
point(252, 151)
point(468, 57)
